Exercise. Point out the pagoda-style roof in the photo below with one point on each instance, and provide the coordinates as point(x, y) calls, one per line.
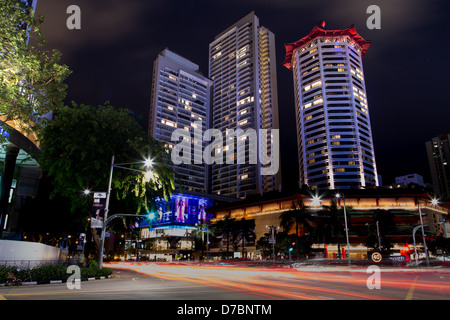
point(318, 32)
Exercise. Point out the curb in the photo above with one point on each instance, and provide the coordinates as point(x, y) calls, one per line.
point(31, 283)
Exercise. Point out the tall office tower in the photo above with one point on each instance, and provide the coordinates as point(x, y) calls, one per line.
point(180, 99)
point(438, 151)
point(335, 147)
point(242, 64)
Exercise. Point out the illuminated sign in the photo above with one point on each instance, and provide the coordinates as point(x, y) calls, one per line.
point(182, 210)
point(376, 257)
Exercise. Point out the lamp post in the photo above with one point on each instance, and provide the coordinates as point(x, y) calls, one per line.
point(414, 239)
point(423, 234)
point(346, 228)
point(148, 163)
point(378, 235)
point(272, 236)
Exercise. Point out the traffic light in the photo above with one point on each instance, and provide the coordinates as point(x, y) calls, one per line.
point(292, 246)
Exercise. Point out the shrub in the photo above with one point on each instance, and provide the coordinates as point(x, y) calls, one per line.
point(4, 272)
point(49, 272)
point(46, 273)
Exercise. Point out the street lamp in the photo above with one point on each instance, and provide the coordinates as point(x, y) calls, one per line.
point(414, 239)
point(434, 202)
point(378, 235)
point(423, 234)
point(315, 200)
point(147, 163)
point(346, 227)
point(272, 233)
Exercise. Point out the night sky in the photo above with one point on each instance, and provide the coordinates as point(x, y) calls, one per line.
point(406, 68)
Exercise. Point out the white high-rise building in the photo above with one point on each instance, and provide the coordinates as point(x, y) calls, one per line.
point(334, 136)
point(242, 64)
point(181, 99)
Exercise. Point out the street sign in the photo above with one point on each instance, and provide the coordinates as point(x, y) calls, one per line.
point(397, 258)
point(376, 257)
point(100, 195)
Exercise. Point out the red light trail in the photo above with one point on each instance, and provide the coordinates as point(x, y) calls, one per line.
point(293, 284)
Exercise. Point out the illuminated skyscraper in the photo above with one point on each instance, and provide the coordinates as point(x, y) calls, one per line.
point(242, 64)
point(180, 97)
point(438, 151)
point(334, 136)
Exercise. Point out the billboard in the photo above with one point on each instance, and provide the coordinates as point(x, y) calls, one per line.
point(181, 210)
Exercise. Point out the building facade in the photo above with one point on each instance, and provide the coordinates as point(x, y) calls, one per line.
point(242, 64)
point(438, 151)
point(364, 208)
point(410, 178)
point(335, 146)
point(181, 100)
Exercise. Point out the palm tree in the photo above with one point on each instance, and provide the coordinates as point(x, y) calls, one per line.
point(299, 215)
point(245, 230)
point(333, 222)
point(225, 227)
point(199, 234)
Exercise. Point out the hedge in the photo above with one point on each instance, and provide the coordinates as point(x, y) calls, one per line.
point(48, 273)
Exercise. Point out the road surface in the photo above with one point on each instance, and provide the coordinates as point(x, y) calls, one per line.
point(165, 281)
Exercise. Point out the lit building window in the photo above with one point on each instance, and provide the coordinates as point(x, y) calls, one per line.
point(168, 123)
point(217, 55)
point(317, 101)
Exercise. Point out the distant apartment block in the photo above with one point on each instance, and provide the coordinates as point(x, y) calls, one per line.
point(242, 64)
point(180, 100)
point(410, 178)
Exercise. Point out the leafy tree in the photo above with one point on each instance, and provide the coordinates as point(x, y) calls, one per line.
point(284, 243)
point(439, 243)
point(31, 78)
point(76, 152)
point(264, 245)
